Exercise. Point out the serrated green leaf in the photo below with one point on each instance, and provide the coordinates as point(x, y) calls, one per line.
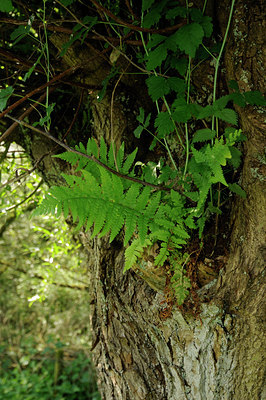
point(180, 64)
point(156, 57)
point(255, 98)
point(203, 135)
point(164, 124)
point(189, 37)
point(238, 99)
point(234, 187)
point(176, 12)
point(181, 110)
point(154, 14)
point(155, 40)
point(227, 115)
point(236, 157)
point(129, 161)
point(157, 87)
point(177, 84)
point(146, 4)
point(203, 20)
point(222, 102)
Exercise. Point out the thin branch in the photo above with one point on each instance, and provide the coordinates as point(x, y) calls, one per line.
point(37, 90)
point(22, 116)
point(26, 198)
point(28, 171)
point(92, 158)
point(134, 27)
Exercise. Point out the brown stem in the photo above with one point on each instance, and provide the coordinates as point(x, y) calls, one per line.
point(22, 116)
point(134, 27)
point(37, 90)
point(92, 158)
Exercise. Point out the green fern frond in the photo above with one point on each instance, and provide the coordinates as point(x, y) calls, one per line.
point(133, 252)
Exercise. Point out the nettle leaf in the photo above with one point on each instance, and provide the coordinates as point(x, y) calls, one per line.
point(222, 102)
point(227, 115)
point(238, 99)
point(181, 110)
point(203, 135)
point(6, 6)
point(204, 112)
point(164, 124)
point(156, 57)
point(157, 87)
point(255, 98)
point(189, 37)
point(4, 96)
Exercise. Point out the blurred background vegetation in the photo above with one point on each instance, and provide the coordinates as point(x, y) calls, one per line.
point(44, 300)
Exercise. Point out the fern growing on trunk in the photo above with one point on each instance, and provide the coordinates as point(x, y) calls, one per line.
point(99, 198)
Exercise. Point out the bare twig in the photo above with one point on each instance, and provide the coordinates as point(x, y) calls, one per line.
point(92, 158)
point(26, 198)
point(22, 116)
point(134, 27)
point(37, 90)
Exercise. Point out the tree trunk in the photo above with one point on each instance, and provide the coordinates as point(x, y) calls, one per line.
point(139, 354)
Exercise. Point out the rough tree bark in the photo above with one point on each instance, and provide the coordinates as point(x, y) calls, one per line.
point(140, 356)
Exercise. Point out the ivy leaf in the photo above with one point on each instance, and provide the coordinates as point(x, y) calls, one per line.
point(189, 37)
point(6, 6)
point(164, 124)
point(255, 98)
point(157, 87)
point(4, 96)
point(227, 115)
